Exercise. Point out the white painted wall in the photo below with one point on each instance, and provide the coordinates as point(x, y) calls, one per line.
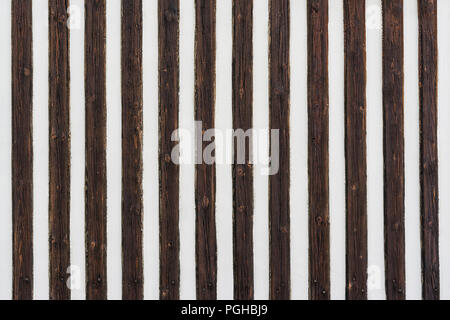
point(299, 196)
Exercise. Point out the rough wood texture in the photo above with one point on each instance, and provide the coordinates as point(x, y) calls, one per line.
point(279, 88)
point(355, 149)
point(168, 37)
point(59, 149)
point(95, 188)
point(132, 121)
point(242, 79)
point(429, 199)
point(205, 179)
point(319, 229)
point(394, 178)
point(22, 148)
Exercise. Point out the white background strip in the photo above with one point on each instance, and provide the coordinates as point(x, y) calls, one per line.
point(260, 143)
point(299, 151)
point(412, 183)
point(187, 170)
point(114, 148)
point(77, 127)
point(375, 286)
point(224, 197)
point(40, 145)
point(5, 154)
point(150, 150)
point(444, 144)
point(337, 148)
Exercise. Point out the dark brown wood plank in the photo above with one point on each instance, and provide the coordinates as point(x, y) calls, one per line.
point(132, 121)
point(355, 149)
point(59, 149)
point(394, 177)
point(168, 38)
point(319, 229)
point(242, 82)
point(429, 196)
point(22, 148)
point(205, 179)
point(279, 89)
point(95, 188)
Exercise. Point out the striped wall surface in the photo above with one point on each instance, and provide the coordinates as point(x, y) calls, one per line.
point(94, 205)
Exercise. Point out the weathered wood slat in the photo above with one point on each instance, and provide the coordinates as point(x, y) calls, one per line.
point(168, 39)
point(355, 149)
point(279, 89)
point(205, 180)
point(394, 177)
point(319, 229)
point(95, 188)
point(22, 148)
point(429, 198)
point(132, 122)
point(242, 78)
point(59, 149)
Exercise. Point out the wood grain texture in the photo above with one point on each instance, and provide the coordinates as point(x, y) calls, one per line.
point(242, 81)
point(393, 145)
point(95, 179)
point(205, 177)
point(59, 149)
point(319, 229)
point(22, 148)
point(355, 149)
point(279, 89)
point(168, 38)
point(429, 197)
point(132, 122)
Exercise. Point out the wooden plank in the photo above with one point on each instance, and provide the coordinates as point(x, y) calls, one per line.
point(95, 188)
point(205, 179)
point(22, 148)
point(279, 89)
point(242, 78)
point(355, 149)
point(319, 229)
point(132, 122)
point(429, 197)
point(59, 149)
point(168, 37)
point(394, 177)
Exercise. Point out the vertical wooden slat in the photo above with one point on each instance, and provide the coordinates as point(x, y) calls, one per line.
point(242, 78)
point(205, 187)
point(394, 178)
point(319, 230)
point(428, 60)
point(132, 122)
point(22, 148)
point(168, 38)
point(355, 149)
point(59, 149)
point(279, 89)
point(95, 188)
